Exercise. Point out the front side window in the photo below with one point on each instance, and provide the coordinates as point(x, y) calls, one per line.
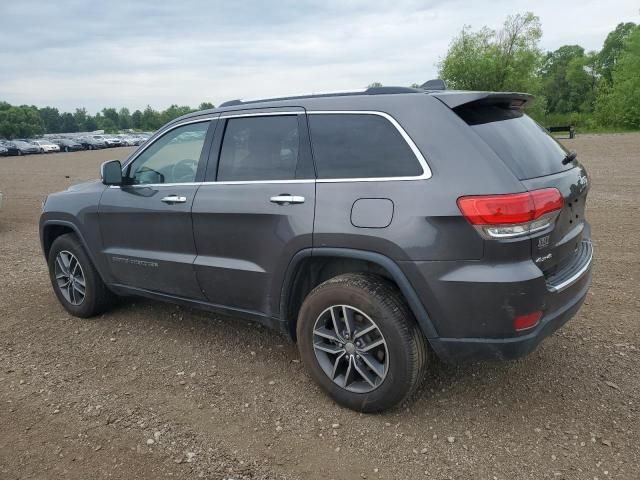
point(259, 148)
point(360, 146)
point(173, 158)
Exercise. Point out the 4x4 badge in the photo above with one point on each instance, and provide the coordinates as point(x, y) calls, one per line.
point(543, 242)
point(583, 182)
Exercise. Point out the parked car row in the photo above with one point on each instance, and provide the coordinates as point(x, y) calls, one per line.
point(26, 146)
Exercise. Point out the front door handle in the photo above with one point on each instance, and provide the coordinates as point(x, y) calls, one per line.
point(285, 198)
point(171, 199)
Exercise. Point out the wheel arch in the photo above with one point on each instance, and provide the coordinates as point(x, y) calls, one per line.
point(300, 279)
point(54, 228)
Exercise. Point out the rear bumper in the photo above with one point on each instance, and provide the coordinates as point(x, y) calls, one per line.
point(473, 305)
point(457, 349)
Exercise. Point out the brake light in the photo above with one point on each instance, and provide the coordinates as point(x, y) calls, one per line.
point(525, 322)
point(511, 215)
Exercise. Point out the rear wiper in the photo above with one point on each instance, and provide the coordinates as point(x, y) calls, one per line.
point(569, 157)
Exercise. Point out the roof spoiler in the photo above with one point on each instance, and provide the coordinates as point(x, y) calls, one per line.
point(454, 99)
point(435, 84)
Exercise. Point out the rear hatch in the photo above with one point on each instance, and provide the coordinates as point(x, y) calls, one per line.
point(536, 159)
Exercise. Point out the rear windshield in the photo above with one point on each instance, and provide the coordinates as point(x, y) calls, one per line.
point(527, 149)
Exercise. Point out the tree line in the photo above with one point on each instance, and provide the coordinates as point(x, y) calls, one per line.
point(29, 121)
point(595, 90)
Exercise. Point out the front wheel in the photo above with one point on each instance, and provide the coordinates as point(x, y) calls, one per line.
point(360, 342)
point(75, 280)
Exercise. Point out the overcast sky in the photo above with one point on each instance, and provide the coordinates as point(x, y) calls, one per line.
point(72, 53)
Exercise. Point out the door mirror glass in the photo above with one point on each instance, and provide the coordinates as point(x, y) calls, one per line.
point(111, 172)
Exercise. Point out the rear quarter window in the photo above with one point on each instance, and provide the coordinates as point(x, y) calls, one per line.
point(360, 146)
point(523, 145)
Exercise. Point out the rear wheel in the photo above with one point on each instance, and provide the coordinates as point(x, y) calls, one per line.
point(19, 153)
point(66, 149)
point(75, 280)
point(360, 342)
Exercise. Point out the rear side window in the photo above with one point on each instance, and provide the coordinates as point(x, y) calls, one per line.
point(360, 146)
point(259, 148)
point(527, 148)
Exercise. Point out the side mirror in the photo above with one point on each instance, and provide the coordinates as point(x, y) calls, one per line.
point(111, 172)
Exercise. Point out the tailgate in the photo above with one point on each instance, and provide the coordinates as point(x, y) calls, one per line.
point(557, 250)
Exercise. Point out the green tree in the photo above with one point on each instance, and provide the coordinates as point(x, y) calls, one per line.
point(150, 119)
point(80, 116)
point(582, 81)
point(22, 121)
point(90, 124)
point(173, 112)
point(51, 119)
point(553, 75)
point(136, 119)
point(110, 119)
point(614, 44)
point(68, 123)
point(618, 104)
point(506, 59)
point(124, 118)
point(206, 106)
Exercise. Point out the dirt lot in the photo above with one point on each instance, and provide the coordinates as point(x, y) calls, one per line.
point(152, 390)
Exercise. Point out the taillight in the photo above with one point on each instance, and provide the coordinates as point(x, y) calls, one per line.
point(512, 215)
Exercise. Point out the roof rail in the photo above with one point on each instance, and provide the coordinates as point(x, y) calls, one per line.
point(368, 91)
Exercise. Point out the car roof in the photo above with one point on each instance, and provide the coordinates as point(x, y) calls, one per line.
point(366, 97)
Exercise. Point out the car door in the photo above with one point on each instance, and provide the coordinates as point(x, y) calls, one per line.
point(145, 224)
point(256, 209)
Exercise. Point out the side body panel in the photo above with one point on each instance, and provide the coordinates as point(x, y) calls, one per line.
point(148, 243)
point(245, 240)
point(77, 208)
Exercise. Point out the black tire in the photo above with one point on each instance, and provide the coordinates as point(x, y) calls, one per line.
point(406, 345)
point(19, 153)
point(97, 297)
point(90, 147)
point(66, 149)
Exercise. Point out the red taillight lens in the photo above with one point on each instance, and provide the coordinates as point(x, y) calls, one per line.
point(546, 200)
point(510, 209)
point(525, 322)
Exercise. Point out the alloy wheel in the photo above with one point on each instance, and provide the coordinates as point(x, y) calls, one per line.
point(350, 348)
point(70, 277)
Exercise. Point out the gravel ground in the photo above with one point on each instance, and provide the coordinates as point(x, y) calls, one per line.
point(151, 390)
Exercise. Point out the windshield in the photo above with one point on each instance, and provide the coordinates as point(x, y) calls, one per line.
point(526, 147)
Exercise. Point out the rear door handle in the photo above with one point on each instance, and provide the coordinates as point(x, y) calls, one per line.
point(171, 199)
point(286, 198)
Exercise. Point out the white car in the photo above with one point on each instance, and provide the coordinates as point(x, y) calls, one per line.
point(46, 147)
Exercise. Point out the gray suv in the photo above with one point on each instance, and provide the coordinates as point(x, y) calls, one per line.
point(379, 229)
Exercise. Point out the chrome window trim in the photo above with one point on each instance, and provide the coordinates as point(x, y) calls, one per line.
point(426, 170)
point(136, 154)
point(261, 114)
point(234, 182)
point(414, 148)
